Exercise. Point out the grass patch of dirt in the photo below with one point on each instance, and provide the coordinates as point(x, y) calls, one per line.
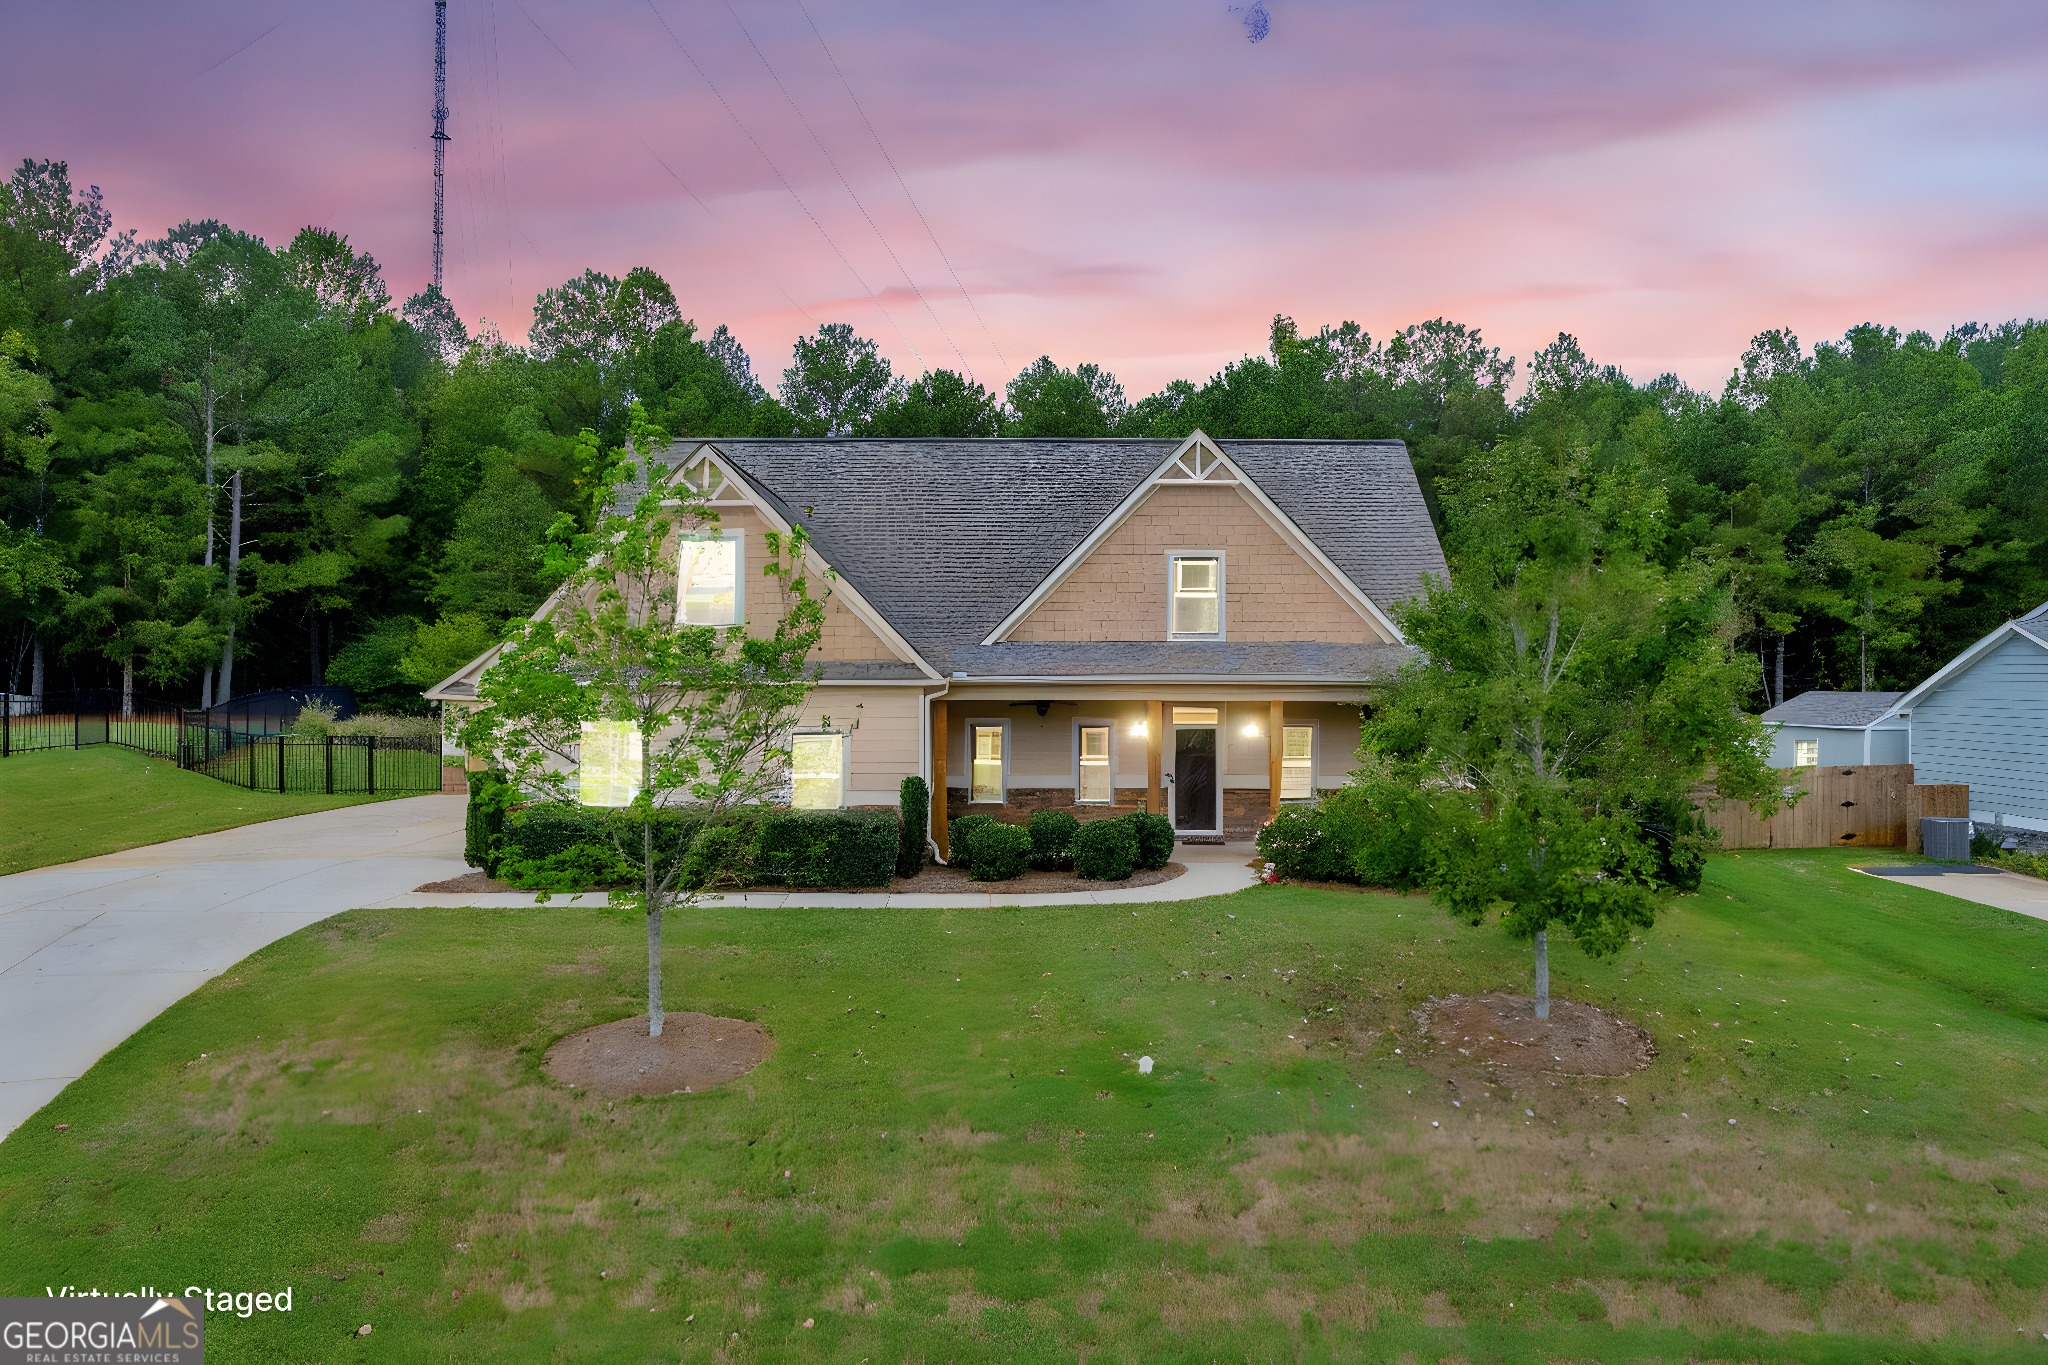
point(1503, 1031)
point(694, 1052)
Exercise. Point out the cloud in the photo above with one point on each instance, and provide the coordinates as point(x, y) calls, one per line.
point(1134, 184)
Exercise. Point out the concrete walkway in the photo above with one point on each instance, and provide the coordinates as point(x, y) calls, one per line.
point(2006, 890)
point(1213, 870)
point(91, 951)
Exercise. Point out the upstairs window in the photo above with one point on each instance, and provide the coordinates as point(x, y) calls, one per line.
point(1096, 782)
point(1805, 752)
point(708, 581)
point(1297, 757)
point(818, 764)
point(1197, 606)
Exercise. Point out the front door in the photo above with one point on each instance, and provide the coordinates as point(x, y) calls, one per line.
point(1194, 779)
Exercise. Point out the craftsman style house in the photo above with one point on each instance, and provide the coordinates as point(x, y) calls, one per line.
point(1187, 627)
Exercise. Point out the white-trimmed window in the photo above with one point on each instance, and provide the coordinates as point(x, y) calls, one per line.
point(1095, 782)
point(1805, 753)
point(985, 762)
point(709, 576)
point(1297, 762)
point(608, 763)
point(818, 767)
point(1196, 606)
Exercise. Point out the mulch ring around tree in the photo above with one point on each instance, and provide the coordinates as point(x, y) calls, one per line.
point(1503, 1030)
point(694, 1053)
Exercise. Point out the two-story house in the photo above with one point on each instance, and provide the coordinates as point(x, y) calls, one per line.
point(1188, 627)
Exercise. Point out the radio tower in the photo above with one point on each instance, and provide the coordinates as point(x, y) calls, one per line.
point(440, 124)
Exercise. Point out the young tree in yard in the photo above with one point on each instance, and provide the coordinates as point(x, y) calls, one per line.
point(689, 719)
point(1572, 695)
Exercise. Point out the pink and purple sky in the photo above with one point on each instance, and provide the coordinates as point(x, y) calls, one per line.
point(1136, 183)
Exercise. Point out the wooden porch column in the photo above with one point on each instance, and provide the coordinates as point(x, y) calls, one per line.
point(1155, 735)
point(939, 778)
point(1274, 750)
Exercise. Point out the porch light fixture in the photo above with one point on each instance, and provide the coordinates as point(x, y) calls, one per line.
point(1138, 730)
point(1251, 732)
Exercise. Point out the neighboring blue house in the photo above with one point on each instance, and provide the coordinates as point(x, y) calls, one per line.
point(1837, 729)
point(1983, 719)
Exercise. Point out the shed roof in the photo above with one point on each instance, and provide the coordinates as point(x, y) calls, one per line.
point(1833, 710)
point(945, 537)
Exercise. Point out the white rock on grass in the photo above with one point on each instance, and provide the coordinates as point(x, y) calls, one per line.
point(1144, 1066)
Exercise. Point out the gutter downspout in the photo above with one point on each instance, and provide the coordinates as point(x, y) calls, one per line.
point(925, 766)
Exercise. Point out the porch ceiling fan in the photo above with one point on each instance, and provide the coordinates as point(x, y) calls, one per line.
point(1044, 706)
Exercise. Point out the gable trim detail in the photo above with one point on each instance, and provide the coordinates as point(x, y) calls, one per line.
point(1198, 461)
point(735, 490)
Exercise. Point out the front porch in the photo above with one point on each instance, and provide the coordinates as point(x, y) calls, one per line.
point(1217, 762)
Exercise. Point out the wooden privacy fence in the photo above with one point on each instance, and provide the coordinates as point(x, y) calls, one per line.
point(1878, 806)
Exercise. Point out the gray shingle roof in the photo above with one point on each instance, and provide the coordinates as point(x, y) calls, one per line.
point(1303, 659)
point(945, 537)
point(1839, 710)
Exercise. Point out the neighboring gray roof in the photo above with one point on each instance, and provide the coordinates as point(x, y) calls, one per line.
point(945, 537)
point(2039, 613)
point(1833, 710)
point(1304, 659)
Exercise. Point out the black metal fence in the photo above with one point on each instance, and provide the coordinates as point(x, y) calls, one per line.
point(219, 745)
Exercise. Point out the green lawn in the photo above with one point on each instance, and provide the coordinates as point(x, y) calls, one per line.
point(950, 1156)
point(64, 804)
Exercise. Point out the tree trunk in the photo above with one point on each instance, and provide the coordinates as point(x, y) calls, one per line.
point(206, 400)
point(1780, 689)
point(128, 688)
point(227, 653)
point(1542, 974)
point(313, 639)
point(653, 933)
point(35, 668)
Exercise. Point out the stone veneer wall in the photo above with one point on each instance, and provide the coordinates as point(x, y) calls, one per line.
point(1244, 809)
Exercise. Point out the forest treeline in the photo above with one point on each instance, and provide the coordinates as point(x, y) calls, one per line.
point(226, 466)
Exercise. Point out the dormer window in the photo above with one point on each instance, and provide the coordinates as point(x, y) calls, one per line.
point(1196, 608)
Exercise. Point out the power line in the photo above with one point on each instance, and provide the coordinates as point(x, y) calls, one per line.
point(914, 207)
point(846, 185)
point(763, 153)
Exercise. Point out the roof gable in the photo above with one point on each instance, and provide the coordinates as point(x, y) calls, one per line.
point(2028, 628)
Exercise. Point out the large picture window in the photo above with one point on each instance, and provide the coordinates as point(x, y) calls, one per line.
point(1197, 607)
point(1297, 762)
point(1096, 783)
point(818, 763)
point(708, 582)
point(988, 763)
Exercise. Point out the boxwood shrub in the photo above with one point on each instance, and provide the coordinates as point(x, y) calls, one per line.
point(1154, 834)
point(915, 799)
point(960, 838)
point(1000, 852)
point(826, 847)
point(1052, 836)
point(1105, 850)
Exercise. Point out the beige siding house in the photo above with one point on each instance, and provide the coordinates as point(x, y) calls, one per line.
point(1187, 627)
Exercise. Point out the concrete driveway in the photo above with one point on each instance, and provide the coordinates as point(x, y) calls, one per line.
point(91, 951)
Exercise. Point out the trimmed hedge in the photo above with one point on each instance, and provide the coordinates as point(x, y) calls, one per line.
point(915, 800)
point(1052, 837)
point(1106, 850)
point(826, 847)
point(960, 837)
point(1000, 852)
point(1375, 834)
point(1154, 834)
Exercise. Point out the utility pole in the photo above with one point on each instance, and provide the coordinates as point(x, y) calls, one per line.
point(440, 125)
